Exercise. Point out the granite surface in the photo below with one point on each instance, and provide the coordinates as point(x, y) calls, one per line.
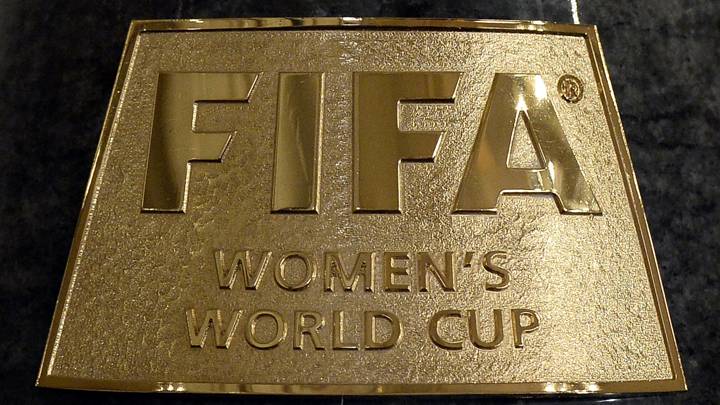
point(57, 65)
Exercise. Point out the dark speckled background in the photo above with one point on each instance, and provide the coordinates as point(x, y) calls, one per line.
point(58, 62)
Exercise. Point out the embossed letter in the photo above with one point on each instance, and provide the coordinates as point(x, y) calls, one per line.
point(475, 333)
point(435, 334)
point(517, 99)
point(378, 144)
point(446, 278)
point(519, 329)
point(334, 268)
point(489, 266)
point(280, 330)
point(242, 262)
point(308, 264)
point(370, 335)
point(339, 332)
point(395, 264)
point(176, 141)
point(214, 317)
point(313, 330)
point(297, 142)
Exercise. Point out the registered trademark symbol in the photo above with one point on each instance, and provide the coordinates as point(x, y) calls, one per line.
point(570, 88)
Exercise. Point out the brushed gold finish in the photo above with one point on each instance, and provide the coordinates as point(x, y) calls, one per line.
point(309, 287)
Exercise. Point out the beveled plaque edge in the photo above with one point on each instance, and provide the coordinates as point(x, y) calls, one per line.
point(588, 32)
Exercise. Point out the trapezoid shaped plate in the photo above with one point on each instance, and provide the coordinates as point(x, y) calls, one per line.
point(362, 206)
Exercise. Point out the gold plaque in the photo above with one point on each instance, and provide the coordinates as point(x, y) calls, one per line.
point(362, 206)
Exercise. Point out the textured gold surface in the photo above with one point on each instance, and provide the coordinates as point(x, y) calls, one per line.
point(132, 275)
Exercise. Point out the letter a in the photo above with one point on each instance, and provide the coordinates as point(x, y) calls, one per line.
point(516, 97)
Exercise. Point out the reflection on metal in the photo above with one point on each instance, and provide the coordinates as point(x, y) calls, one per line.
point(574, 11)
point(522, 99)
point(176, 141)
point(297, 142)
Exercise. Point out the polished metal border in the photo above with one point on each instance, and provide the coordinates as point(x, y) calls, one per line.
point(588, 32)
